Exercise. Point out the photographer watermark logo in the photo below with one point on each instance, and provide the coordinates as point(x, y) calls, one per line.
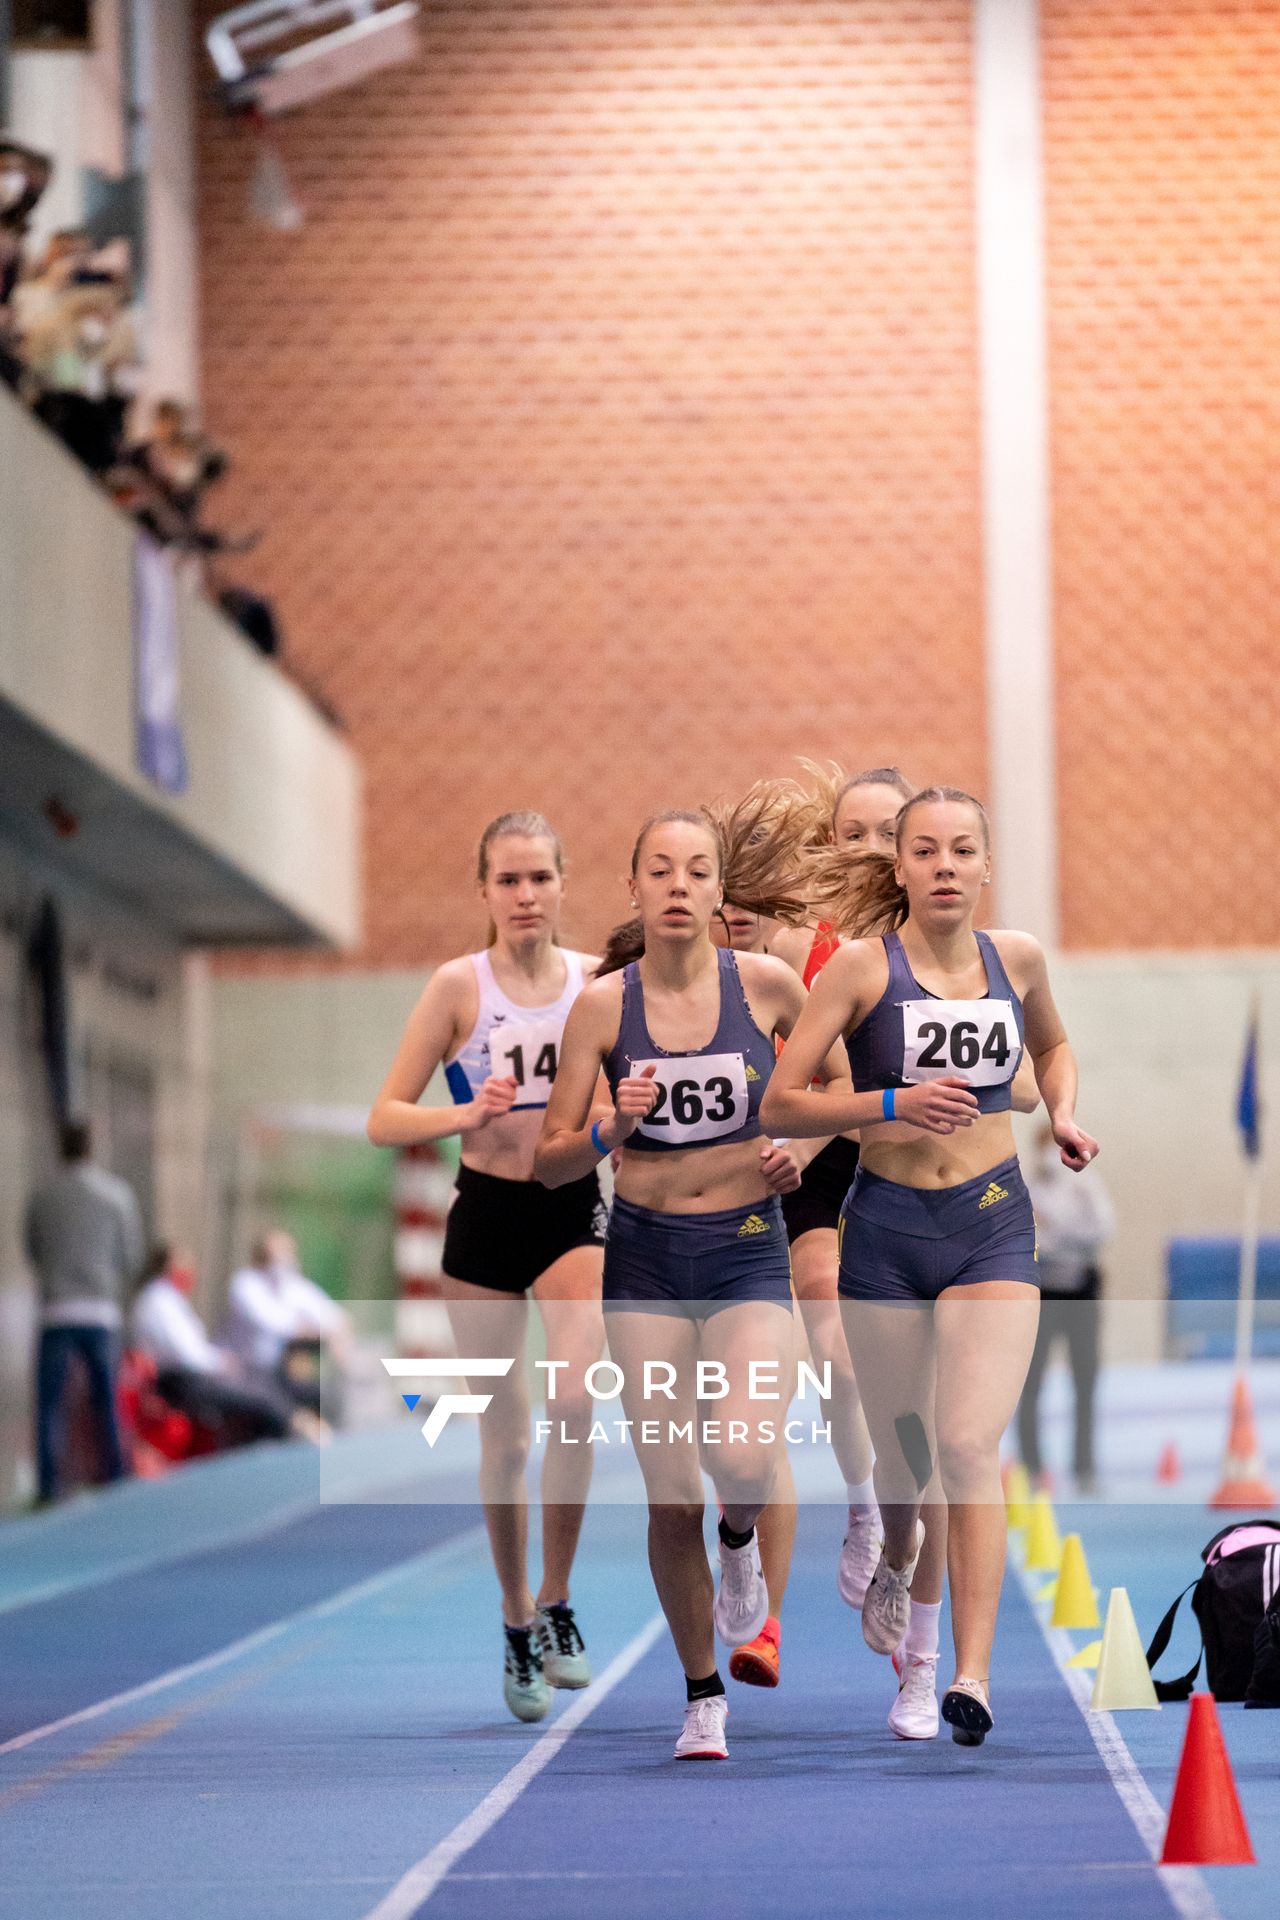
point(448, 1403)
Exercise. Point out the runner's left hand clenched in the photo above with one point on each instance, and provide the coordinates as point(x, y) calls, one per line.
point(778, 1165)
point(1076, 1146)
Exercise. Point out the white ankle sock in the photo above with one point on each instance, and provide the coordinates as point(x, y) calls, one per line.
point(862, 1497)
point(922, 1633)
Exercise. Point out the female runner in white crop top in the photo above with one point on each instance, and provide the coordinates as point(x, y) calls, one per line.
point(494, 1020)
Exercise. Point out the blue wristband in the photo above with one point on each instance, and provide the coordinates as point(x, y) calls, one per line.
point(596, 1141)
point(886, 1102)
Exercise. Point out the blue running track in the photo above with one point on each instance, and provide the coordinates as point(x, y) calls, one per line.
point(227, 1699)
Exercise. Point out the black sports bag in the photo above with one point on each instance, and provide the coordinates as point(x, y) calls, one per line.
point(1240, 1581)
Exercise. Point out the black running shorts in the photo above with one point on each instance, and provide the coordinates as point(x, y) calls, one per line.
point(823, 1185)
point(505, 1233)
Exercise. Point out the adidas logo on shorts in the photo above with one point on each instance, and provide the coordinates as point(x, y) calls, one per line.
point(993, 1194)
point(751, 1073)
point(752, 1224)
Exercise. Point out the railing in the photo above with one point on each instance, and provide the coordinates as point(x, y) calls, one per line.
point(263, 841)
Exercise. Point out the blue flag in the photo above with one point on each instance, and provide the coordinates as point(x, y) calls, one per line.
point(1248, 1115)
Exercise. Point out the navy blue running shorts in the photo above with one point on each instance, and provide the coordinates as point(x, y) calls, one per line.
point(910, 1243)
point(679, 1262)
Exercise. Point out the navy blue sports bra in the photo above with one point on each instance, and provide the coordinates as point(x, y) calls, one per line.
point(911, 1036)
point(708, 1096)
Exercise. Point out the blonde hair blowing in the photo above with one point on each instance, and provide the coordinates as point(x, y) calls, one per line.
point(760, 844)
point(831, 783)
point(859, 893)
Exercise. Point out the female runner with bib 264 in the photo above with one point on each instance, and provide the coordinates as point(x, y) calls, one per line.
point(496, 1017)
point(696, 1265)
point(934, 1017)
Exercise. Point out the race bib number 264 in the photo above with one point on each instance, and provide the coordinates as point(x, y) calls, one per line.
point(974, 1040)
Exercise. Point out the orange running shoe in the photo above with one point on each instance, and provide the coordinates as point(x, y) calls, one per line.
point(756, 1664)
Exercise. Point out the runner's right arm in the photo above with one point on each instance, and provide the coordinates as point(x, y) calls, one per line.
point(396, 1119)
point(566, 1150)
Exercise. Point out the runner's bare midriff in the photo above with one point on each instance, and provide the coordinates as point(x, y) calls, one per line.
point(700, 1179)
point(505, 1147)
point(934, 1161)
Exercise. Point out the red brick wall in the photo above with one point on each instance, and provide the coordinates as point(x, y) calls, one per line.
point(1162, 153)
point(613, 420)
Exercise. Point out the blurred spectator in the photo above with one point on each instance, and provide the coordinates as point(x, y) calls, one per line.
point(83, 1235)
point(82, 351)
point(164, 478)
point(200, 1379)
point(37, 293)
point(24, 175)
point(253, 613)
point(68, 345)
point(1074, 1221)
point(282, 1325)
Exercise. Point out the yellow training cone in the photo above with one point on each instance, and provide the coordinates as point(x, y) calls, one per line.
point(1017, 1497)
point(1087, 1656)
point(1044, 1549)
point(1073, 1603)
point(1123, 1679)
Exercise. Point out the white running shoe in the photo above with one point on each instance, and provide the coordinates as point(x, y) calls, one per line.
point(564, 1654)
point(914, 1714)
point(859, 1554)
point(886, 1607)
point(742, 1599)
point(702, 1737)
point(524, 1685)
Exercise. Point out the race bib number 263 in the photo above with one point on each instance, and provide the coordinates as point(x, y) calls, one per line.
point(701, 1097)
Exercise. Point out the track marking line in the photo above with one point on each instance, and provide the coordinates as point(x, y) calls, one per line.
point(441, 1558)
point(420, 1882)
point(1187, 1892)
point(148, 1561)
point(119, 1746)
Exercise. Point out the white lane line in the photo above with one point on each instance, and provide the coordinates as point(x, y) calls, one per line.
point(148, 1560)
point(441, 1558)
point(1188, 1894)
point(421, 1881)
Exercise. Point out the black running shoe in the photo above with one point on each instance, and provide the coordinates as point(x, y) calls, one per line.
point(968, 1717)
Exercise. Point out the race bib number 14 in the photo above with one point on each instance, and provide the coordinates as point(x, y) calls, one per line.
point(529, 1052)
point(701, 1097)
point(975, 1040)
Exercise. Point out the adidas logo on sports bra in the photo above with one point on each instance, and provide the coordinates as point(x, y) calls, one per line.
point(751, 1073)
point(753, 1224)
point(993, 1194)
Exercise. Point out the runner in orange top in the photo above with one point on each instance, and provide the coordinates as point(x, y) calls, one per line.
point(858, 813)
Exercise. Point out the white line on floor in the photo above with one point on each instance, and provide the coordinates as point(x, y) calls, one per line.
point(149, 1559)
point(1187, 1892)
point(440, 1558)
point(421, 1881)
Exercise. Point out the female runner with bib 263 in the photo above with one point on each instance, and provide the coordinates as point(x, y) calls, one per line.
point(935, 1017)
point(696, 1265)
point(497, 1017)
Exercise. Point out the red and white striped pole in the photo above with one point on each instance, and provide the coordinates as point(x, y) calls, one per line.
point(423, 1182)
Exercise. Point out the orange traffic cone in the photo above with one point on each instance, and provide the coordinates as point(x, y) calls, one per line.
point(1169, 1468)
point(1244, 1482)
point(1206, 1827)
